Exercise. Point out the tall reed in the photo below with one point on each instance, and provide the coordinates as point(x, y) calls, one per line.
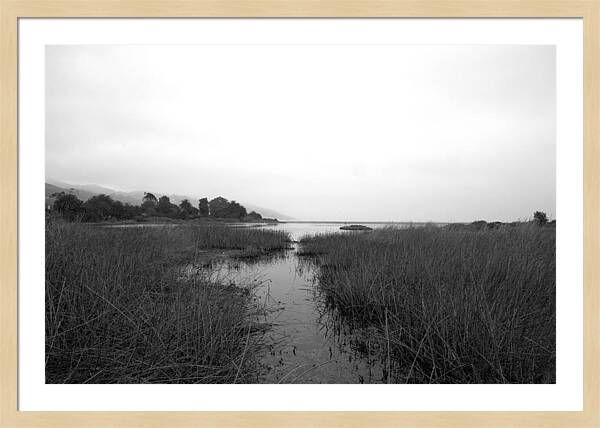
point(118, 309)
point(448, 306)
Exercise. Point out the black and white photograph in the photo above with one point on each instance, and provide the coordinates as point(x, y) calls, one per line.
point(300, 213)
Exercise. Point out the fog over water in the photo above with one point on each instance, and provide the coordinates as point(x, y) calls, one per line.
point(332, 132)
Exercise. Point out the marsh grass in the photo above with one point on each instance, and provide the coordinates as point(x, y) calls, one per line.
point(446, 306)
point(118, 309)
point(249, 241)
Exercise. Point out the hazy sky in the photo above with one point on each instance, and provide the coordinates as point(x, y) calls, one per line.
point(334, 132)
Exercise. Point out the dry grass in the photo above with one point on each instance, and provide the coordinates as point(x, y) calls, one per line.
point(447, 306)
point(118, 309)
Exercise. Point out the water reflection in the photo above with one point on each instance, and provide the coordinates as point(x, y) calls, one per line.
point(306, 342)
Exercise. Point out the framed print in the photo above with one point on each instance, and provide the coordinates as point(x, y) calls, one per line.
point(299, 214)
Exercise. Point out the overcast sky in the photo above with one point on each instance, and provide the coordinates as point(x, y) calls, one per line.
point(396, 132)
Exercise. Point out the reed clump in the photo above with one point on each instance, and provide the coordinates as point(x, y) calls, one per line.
point(218, 236)
point(447, 306)
point(118, 309)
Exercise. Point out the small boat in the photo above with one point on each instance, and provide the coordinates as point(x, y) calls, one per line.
point(355, 227)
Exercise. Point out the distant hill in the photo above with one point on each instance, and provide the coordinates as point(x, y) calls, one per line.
point(266, 212)
point(84, 195)
point(51, 188)
point(86, 191)
point(133, 198)
point(93, 188)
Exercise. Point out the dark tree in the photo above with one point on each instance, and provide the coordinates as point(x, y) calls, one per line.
point(118, 210)
point(149, 203)
point(164, 205)
point(149, 197)
point(218, 207)
point(235, 210)
point(131, 211)
point(101, 207)
point(68, 205)
point(187, 210)
point(203, 207)
point(254, 216)
point(540, 218)
point(185, 206)
point(222, 208)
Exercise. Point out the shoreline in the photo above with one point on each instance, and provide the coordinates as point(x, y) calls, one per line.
point(167, 220)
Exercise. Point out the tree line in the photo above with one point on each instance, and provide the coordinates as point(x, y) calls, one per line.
point(103, 207)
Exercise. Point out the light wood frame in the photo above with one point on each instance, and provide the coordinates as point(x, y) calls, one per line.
point(12, 10)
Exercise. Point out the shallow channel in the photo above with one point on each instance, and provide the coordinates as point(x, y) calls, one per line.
point(307, 343)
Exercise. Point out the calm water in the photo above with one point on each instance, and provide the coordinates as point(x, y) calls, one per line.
point(308, 344)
